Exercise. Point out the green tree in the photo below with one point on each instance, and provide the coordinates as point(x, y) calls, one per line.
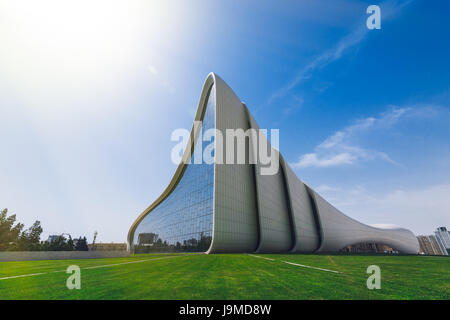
point(82, 244)
point(70, 245)
point(59, 244)
point(9, 233)
point(93, 241)
point(29, 240)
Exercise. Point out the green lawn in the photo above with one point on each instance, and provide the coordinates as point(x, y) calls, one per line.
point(230, 276)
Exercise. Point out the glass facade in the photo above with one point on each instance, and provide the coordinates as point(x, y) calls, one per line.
point(183, 221)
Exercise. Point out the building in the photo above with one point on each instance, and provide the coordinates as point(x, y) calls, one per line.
point(425, 245)
point(436, 247)
point(369, 247)
point(429, 246)
point(52, 238)
point(443, 239)
point(256, 205)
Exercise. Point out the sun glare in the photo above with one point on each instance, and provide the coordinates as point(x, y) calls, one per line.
point(48, 43)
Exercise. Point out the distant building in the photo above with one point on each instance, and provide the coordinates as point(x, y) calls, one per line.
point(147, 239)
point(370, 247)
point(108, 246)
point(436, 247)
point(443, 239)
point(430, 246)
point(52, 238)
point(425, 245)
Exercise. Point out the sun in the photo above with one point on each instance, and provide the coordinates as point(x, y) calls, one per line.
point(54, 44)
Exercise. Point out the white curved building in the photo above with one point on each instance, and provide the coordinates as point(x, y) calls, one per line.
point(223, 207)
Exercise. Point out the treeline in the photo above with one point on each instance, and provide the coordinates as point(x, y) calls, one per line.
point(13, 237)
point(151, 242)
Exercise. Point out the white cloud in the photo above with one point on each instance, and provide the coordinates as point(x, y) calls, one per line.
point(385, 226)
point(385, 120)
point(326, 188)
point(389, 10)
point(321, 61)
point(342, 148)
point(311, 159)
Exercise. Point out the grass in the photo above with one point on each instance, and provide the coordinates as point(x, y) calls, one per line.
point(230, 276)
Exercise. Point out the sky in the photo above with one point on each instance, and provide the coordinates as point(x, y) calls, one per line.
point(90, 93)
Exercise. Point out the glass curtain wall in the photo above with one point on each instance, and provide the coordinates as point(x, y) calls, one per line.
point(184, 220)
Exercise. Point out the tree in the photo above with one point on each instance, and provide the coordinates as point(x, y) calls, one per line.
point(93, 241)
point(70, 245)
point(204, 243)
point(9, 233)
point(29, 240)
point(82, 244)
point(59, 244)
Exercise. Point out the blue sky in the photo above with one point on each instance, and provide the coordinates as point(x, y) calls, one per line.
point(90, 97)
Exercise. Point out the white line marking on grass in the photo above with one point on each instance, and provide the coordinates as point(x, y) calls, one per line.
point(93, 267)
point(23, 275)
point(302, 265)
point(118, 264)
point(261, 257)
point(296, 264)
